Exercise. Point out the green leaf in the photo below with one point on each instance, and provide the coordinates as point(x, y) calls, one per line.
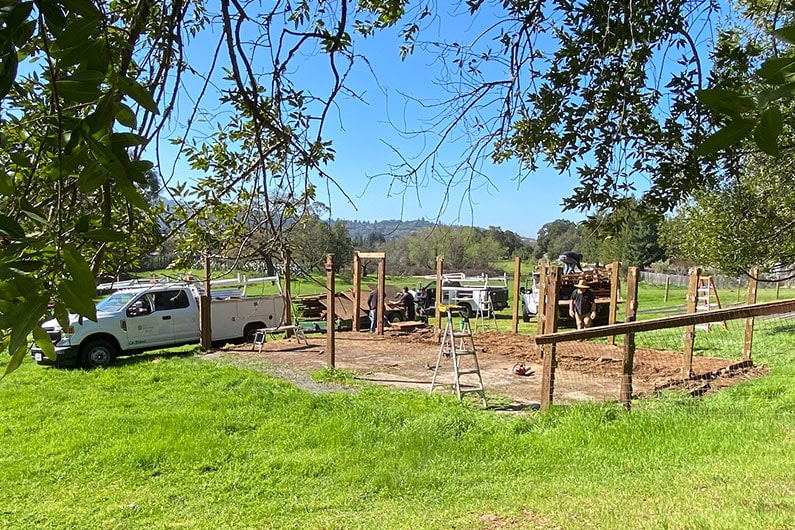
point(25, 315)
point(78, 91)
point(8, 72)
point(85, 8)
point(787, 34)
point(52, 14)
point(138, 93)
point(778, 70)
point(78, 33)
point(727, 102)
point(104, 235)
point(126, 116)
point(22, 265)
point(131, 193)
point(100, 119)
point(79, 301)
point(127, 139)
point(92, 177)
point(79, 270)
point(61, 314)
point(727, 136)
point(6, 184)
point(31, 212)
point(768, 130)
point(43, 341)
point(9, 227)
point(16, 359)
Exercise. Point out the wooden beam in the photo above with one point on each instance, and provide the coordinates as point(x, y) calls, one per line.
point(615, 294)
point(371, 255)
point(690, 330)
point(551, 287)
point(766, 308)
point(517, 301)
point(629, 338)
point(357, 291)
point(749, 322)
point(330, 313)
point(437, 324)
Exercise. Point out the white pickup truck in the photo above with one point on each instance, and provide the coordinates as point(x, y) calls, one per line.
point(136, 319)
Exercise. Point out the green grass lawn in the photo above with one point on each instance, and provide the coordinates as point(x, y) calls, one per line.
point(176, 440)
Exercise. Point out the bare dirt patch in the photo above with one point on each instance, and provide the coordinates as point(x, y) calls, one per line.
point(586, 371)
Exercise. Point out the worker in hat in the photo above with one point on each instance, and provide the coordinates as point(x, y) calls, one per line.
point(582, 306)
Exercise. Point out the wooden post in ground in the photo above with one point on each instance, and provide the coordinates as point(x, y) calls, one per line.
point(379, 326)
point(517, 301)
point(287, 294)
point(437, 324)
point(667, 285)
point(615, 294)
point(542, 292)
point(330, 312)
point(205, 318)
point(690, 331)
point(629, 338)
point(552, 288)
point(749, 322)
point(357, 290)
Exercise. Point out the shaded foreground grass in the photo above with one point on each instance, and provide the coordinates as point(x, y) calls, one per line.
point(180, 442)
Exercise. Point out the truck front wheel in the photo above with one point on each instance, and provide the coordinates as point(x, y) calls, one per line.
point(97, 353)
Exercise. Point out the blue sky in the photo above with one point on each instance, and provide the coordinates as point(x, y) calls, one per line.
point(366, 143)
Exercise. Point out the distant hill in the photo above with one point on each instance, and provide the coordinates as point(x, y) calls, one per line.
point(391, 228)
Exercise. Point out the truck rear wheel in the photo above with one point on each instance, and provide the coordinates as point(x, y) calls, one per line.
point(250, 331)
point(97, 353)
point(465, 311)
point(525, 315)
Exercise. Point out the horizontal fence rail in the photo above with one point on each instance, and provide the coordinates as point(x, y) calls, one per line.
point(755, 310)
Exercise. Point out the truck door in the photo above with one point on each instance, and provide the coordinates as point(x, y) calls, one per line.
point(146, 326)
point(184, 316)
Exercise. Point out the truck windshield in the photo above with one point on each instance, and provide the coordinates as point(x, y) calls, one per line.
point(114, 302)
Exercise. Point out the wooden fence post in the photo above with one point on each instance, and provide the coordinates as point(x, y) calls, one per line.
point(551, 287)
point(517, 301)
point(629, 338)
point(379, 314)
point(331, 313)
point(437, 323)
point(749, 322)
point(667, 285)
point(357, 291)
point(542, 293)
point(615, 293)
point(287, 293)
point(690, 331)
point(205, 312)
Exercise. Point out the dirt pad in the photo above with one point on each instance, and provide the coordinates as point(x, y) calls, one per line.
point(586, 371)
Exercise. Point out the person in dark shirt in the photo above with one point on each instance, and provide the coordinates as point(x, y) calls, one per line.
point(571, 260)
point(372, 304)
point(407, 300)
point(582, 306)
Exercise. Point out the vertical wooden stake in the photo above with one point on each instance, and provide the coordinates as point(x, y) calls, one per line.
point(552, 289)
point(287, 294)
point(517, 301)
point(749, 322)
point(542, 305)
point(331, 313)
point(437, 323)
point(357, 291)
point(615, 293)
point(690, 331)
point(667, 286)
point(629, 338)
point(381, 294)
point(205, 314)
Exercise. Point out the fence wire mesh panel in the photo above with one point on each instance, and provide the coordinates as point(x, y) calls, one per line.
point(594, 370)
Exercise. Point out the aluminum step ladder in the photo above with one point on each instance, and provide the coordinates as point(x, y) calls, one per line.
point(459, 346)
point(485, 316)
